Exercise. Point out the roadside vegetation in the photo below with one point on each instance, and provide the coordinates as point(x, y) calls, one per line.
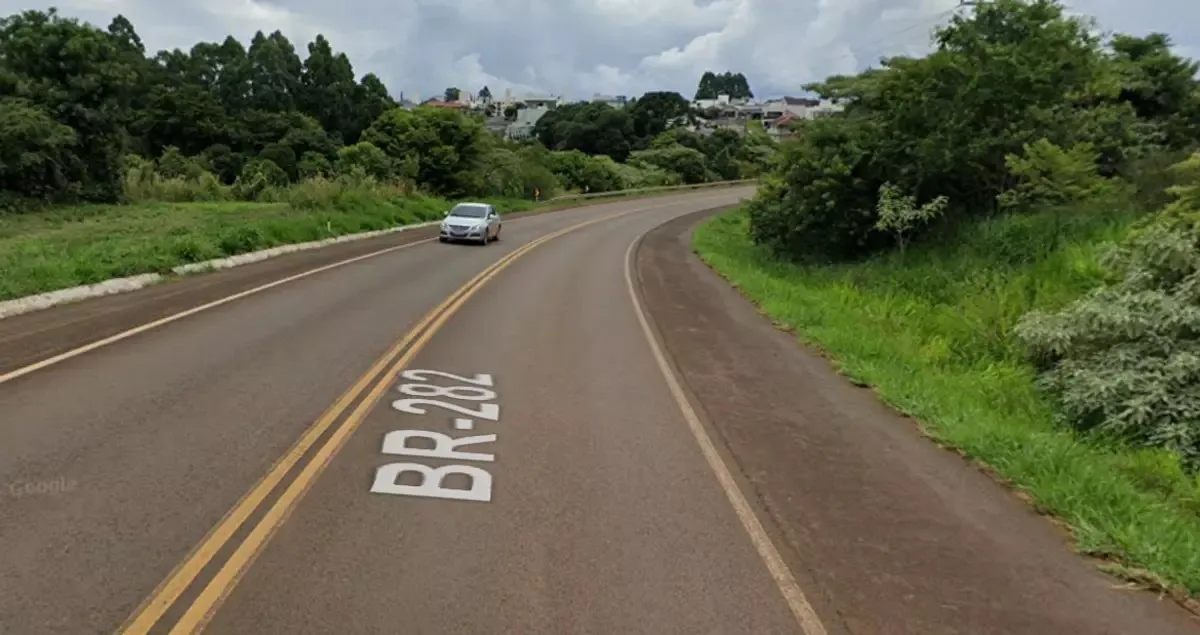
point(114, 162)
point(1003, 239)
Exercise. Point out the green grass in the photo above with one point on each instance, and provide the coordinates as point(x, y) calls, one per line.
point(64, 247)
point(932, 335)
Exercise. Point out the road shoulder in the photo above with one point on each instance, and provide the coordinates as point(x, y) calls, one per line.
point(899, 535)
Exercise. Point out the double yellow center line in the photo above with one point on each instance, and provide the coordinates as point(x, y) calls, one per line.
point(379, 377)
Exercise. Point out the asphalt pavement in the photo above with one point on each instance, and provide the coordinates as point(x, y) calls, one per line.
point(547, 435)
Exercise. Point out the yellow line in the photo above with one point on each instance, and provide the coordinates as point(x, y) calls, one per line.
point(112, 339)
point(204, 607)
point(169, 591)
point(802, 610)
point(179, 579)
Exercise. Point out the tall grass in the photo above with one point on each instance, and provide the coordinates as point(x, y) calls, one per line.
point(933, 335)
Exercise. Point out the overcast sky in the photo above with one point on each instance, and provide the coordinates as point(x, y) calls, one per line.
point(581, 47)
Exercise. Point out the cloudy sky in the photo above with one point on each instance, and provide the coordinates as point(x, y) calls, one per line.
point(582, 47)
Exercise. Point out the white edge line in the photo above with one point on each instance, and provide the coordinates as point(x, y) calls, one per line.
point(802, 610)
point(142, 328)
point(75, 352)
point(58, 297)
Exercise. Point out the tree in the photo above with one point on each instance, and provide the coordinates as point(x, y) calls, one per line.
point(654, 112)
point(436, 147)
point(78, 75)
point(274, 73)
point(899, 215)
point(713, 85)
point(593, 128)
point(1161, 86)
point(329, 90)
point(1010, 73)
point(452, 94)
point(364, 158)
point(313, 165)
point(485, 94)
point(37, 154)
point(282, 156)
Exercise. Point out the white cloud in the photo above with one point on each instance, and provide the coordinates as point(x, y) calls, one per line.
point(591, 46)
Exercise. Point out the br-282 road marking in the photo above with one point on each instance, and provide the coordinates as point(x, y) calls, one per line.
point(446, 447)
point(381, 374)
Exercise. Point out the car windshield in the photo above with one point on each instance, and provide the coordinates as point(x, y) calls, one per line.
point(469, 211)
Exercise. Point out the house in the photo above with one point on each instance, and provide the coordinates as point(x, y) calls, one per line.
point(541, 102)
point(721, 102)
point(527, 118)
point(824, 108)
point(800, 107)
point(781, 127)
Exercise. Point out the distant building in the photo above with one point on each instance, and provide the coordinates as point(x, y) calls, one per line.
point(541, 101)
point(527, 118)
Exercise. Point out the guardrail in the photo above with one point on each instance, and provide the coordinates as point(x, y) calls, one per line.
point(648, 190)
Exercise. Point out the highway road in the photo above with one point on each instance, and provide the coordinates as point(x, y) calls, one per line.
point(574, 430)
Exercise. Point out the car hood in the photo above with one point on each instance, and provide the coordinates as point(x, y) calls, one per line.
point(464, 221)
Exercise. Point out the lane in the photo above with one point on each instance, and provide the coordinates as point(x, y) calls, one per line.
point(602, 515)
point(900, 536)
point(27, 338)
point(117, 462)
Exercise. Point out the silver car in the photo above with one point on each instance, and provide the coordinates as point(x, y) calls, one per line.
point(475, 222)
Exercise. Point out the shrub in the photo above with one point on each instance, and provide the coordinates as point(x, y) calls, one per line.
point(256, 179)
point(173, 164)
point(820, 203)
point(1125, 359)
point(690, 164)
point(143, 181)
point(899, 214)
point(582, 172)
point(314, 164)
point(367, 158)
point(1050, 175)
point(282, 156)
point(225, 163)
point(642, 177)
point(506, 174)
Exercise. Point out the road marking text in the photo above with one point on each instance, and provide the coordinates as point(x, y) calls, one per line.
point(433, 479)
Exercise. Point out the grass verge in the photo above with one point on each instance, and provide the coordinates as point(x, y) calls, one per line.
point(931, 335)
point(69, 246)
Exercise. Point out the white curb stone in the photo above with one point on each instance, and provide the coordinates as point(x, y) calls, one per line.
point(28, 304)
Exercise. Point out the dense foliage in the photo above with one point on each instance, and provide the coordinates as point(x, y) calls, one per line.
point(1023, 109)
point(1013, 78)
point(86, 115)
point(712, 85)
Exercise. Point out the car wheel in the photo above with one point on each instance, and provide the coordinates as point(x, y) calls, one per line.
point(443, 239)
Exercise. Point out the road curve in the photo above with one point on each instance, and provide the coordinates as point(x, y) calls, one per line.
point(121, 464)
point(579, 429)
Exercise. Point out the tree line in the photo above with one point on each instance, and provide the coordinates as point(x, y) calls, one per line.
point(1024, 109)
point(87, 115)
